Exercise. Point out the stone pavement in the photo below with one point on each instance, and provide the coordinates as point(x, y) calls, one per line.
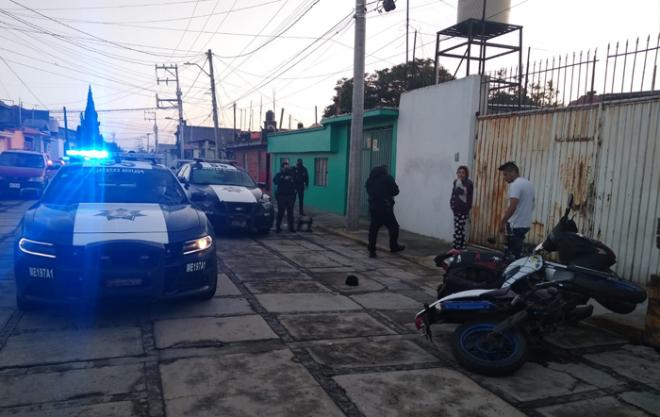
point(423, 249)
point(286, 337)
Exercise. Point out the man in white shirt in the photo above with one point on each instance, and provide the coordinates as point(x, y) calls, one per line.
point(517, 218)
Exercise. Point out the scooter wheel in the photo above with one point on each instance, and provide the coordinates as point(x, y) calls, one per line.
point(478, 350)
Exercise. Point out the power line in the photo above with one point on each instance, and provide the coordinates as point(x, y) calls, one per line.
point(263, 45)
point(27, 87)
point(85, 33)
point(176, 19)
point(120, 6)
point(185, 31)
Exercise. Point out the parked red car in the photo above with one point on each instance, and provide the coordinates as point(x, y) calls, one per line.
point(23, 173)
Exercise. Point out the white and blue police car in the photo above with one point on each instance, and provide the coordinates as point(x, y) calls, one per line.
point(228, 195)
point(111, 228)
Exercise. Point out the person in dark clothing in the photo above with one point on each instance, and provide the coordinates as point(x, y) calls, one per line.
point(382, 188)
point(285, 195)
point(461, 204)
point(301, 179)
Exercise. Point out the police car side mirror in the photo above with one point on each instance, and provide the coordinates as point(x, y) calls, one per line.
point(262, 185)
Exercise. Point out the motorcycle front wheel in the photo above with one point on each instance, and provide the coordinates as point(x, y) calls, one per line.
point(478, 349)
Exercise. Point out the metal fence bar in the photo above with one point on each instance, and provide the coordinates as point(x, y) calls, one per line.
point(545, 82)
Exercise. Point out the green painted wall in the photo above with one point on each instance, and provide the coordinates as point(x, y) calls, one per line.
point(331, 142)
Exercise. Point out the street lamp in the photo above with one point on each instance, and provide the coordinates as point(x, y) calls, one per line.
point(219, 150)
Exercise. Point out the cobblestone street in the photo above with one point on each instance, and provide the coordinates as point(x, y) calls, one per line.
point(285, 336)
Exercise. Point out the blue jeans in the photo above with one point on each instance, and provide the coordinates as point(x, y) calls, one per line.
point(515, 243)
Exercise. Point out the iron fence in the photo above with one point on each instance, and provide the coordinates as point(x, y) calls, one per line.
point(622, 71)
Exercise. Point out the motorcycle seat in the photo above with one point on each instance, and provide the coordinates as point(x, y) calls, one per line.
point(582, 270)
point(497, 293)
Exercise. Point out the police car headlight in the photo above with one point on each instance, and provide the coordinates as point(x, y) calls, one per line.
point(32, 247)
point(36, 179)
point(197, 245)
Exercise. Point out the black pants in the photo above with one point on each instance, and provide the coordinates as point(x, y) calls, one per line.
point(300, 193)
point(285, 203)
point(515, 243)
point(383, 216)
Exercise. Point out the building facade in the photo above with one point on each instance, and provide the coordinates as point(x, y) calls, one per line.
point(324, 151)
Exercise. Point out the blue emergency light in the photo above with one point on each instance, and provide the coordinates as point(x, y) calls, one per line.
point(88, 153)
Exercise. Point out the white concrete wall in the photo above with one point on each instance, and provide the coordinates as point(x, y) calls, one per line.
point(435, 135)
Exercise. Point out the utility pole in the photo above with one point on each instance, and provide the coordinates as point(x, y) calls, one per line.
point(148, 141)
point(150, 116)
point(66, 129)
point(235, 122)
point(354, 179)
point(172, 71)
point(219, 145)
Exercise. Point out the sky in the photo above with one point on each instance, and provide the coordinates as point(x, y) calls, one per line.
point(281, 54)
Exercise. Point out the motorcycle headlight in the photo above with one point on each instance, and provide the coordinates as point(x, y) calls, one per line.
point(197, 245)
point(33, 247)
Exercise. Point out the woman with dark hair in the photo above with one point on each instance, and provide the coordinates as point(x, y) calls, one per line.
point(461, 204)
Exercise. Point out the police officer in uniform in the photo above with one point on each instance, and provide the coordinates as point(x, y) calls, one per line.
point(285, 195)
point(301, 178)
point(382, 188)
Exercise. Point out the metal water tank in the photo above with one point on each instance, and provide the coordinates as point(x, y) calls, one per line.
point(496, 10)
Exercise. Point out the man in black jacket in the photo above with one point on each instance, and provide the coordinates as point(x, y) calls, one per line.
point(301, 178)
point(382, 188)
point(285, 195)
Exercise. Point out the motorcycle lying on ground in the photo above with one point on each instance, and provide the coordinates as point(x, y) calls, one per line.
point(537, 295)
point(469, 269)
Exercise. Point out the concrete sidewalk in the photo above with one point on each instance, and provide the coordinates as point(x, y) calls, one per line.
point(422, 249)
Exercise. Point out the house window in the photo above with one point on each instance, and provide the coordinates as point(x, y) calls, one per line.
point(321, 172)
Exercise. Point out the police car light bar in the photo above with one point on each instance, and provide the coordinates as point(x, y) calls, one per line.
point(88, 153)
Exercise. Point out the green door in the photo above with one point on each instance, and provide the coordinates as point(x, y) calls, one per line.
point(376, 151)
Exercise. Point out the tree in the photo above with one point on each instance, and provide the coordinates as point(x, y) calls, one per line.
point(383, 88)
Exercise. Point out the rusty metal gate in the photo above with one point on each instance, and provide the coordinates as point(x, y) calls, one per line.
point(376, 151)
point(607, 155)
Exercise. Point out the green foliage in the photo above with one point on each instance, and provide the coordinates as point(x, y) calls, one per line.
point(383, 88)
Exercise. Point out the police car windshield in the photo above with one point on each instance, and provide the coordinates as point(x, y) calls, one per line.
point(76, 184)
point(210, 176)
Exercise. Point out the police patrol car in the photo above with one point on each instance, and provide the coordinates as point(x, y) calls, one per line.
point(228, 195)
point(113, 228)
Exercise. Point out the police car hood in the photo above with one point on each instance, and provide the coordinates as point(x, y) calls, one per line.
point(86, 223)
point(233, 193)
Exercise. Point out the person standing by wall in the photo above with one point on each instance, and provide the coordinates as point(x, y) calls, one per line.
point(461, 204)
point(517, 218)
point(301, 179)
point(382, 188)
point(285, 195)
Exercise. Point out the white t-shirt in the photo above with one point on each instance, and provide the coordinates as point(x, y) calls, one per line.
point(523, 190)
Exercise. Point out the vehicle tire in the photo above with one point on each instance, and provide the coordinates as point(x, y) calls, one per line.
point(493, 357)
point(210, 293)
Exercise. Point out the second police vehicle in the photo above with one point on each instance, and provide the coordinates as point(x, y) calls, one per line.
point(120, 228)
point(228, 195)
